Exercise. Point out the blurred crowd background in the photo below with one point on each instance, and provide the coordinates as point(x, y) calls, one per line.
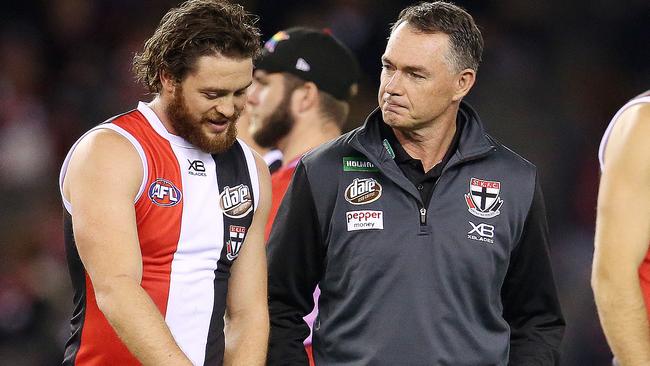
point(554, 72)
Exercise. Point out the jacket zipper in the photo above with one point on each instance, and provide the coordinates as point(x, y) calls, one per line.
point(423, 210)
point(423, 216)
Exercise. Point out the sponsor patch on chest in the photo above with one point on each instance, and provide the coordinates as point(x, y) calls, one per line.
point(354, 164)
point(362, 191)
point(365, 220)
point(236, 202)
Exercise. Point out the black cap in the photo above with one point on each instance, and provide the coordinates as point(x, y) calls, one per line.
point(315, 56)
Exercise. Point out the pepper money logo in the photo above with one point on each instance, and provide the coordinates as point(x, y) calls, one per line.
point(362, 191)
point(236, 202)
point(164, 193)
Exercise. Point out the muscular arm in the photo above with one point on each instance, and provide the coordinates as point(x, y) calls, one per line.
point(247, 316)
point(622, 237)
point(101, 183)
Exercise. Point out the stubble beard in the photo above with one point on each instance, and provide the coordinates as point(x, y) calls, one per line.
point(274, 127)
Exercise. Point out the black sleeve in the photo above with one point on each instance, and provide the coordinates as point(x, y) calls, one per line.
point(295, 264)
point(530, 303)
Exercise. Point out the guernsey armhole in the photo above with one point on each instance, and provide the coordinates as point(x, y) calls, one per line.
point(251, 163)
point(124, 133)
point(610, 127)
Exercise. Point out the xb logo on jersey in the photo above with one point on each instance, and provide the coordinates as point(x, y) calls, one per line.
point(236, 202)
point(197, 167)
point(164, 193)
point(481, 232)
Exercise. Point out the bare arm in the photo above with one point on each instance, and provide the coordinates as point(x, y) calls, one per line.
point(622, 237)
point(101, 183)
point(247, 316)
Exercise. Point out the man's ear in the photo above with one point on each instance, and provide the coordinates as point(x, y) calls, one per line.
point(304, 97)
point(168, 83)
point(464, 82)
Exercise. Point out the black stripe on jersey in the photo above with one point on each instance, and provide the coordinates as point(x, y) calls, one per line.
point(78, 277)
point(232, 170)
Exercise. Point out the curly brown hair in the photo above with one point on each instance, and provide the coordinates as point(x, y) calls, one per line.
point(196, 28)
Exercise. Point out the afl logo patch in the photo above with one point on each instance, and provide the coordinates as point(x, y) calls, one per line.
point(164, 193)
point(236, 202)
point(362, 191)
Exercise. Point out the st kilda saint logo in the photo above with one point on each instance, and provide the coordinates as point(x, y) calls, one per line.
point(483, 198)
point(236, 202)
point(362, 191)
point(233, 245)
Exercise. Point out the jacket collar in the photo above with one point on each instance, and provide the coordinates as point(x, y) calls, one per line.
point(473, 143)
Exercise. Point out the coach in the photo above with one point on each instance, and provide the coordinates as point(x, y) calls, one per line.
point(427, 236)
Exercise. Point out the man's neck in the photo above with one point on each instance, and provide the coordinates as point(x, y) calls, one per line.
point(158, 106)
point(429, 144)
point(305, 136)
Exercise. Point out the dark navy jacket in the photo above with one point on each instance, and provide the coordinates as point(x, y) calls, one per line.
point(464, 281)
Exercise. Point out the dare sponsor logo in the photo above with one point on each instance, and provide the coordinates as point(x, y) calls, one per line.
point(364, 220)
point(236, 202)
point(164, 193)
point(362, 191)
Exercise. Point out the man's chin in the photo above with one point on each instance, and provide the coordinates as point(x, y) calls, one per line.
point(214, 141)
point(391, 118)
point(216, 145)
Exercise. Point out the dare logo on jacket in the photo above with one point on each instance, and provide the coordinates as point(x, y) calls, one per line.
point(362, 191)
point(236, 202)
point(164, 193)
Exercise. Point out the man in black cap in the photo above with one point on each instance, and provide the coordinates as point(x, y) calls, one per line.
point(299, 100)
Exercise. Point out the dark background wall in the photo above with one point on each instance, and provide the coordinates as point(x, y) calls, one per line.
point(554, 73)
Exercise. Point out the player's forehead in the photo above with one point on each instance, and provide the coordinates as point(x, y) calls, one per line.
point(222, 72)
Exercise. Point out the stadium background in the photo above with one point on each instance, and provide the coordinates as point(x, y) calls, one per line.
point(554, 73)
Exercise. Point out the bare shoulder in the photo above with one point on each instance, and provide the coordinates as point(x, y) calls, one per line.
point(262, 168)
point(104, 156)
point(265, 181)
point(627, 147)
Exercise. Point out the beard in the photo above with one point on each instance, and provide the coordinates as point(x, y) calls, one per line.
point(274, 127)
point(191, 129)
